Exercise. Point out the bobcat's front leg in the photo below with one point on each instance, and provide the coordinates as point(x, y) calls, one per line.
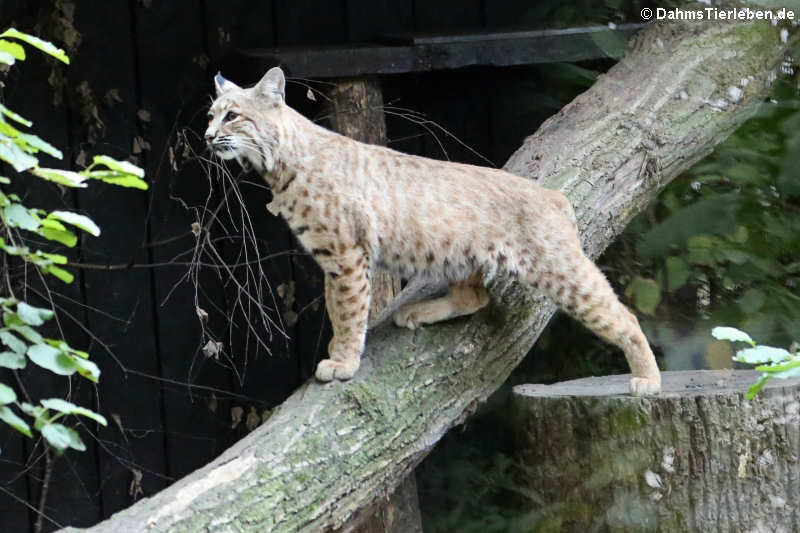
point(347, 293)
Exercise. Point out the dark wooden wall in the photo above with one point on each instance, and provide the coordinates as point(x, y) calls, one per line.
point(146, 69)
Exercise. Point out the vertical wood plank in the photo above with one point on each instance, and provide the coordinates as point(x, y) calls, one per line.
point(170, 43)
point(121, 310)
point(14, 514)
point(378, 20)
point(448, 16)
point(311, 23)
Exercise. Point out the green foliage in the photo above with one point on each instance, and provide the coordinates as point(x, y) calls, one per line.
point(772, 362)
point(21, 342)
point(44, 46)
point(721, 244)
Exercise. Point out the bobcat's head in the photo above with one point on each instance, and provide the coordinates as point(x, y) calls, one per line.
point(244, 124)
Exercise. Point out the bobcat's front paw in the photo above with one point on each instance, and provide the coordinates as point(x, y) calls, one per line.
point(328, 369)
point(645, 386)
point(407, 317)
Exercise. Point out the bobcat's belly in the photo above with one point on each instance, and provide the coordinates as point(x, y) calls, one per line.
point(448, 258)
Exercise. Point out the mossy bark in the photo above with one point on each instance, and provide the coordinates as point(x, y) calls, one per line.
point(332, 450)
point(699, 457)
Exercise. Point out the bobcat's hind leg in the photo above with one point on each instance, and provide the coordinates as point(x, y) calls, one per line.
point(588, 296)
point(347, 293)
point(463, 298)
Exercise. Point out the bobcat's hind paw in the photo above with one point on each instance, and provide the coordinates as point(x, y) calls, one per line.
point(645, 386)
point(328, 370)
point(406, 317)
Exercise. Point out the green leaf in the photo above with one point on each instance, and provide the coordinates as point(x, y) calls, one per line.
point(63, 406)
point(58, 259)
point(761, 354)
point(13, 49)
point(83, 222)
point(40, 414)
point(66, 348)
point(115, 177)
point(756, 387)
point(53, 224)
point(12, 360)
point(8, 416)
point(62, 177)
point(677, 273)
point(752, 301)
point(65, 237)
point(725, 333)
point(776, 369)
point(19, 216)
point(11, 319)
point(127, 181)
point(7, 129)
point(30, 334)
point(4, 180)
point(33, 316)
point(86, 368)
point(54, 360)
point(699, 247)
point(612, 43)
point(13, 342)
point(44, 46)
point(715, 215)
point(60, 273)
point(121, 166)
point(7, 58)
point(7, 394)
point(36, 144)
point(646, 294)
point(14, 156)
point(61, 437)
point(15, 117)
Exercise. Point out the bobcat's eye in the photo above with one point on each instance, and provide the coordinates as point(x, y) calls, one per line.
point(230, 115)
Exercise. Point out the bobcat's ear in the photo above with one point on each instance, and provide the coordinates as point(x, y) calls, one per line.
point(272, 85)
point(223, 85)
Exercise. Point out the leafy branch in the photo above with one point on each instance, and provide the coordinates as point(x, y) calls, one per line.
point(772, 362)
point(18, 333)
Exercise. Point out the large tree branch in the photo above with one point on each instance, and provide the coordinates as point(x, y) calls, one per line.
point(332, 450)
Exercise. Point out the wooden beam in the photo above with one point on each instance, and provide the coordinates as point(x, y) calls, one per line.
point(423, 54)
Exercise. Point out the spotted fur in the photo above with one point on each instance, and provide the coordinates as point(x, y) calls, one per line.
point(356, 207)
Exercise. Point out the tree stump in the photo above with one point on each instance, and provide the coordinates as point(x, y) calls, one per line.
point(699, 457)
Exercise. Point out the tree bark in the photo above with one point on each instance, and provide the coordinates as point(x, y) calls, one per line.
point(356, 110)
point(332, 450)
point(697, 458)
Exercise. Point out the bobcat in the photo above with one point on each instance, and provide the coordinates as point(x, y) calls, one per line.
point(356, 207)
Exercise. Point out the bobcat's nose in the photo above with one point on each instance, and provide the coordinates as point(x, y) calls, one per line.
point(209, 137)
